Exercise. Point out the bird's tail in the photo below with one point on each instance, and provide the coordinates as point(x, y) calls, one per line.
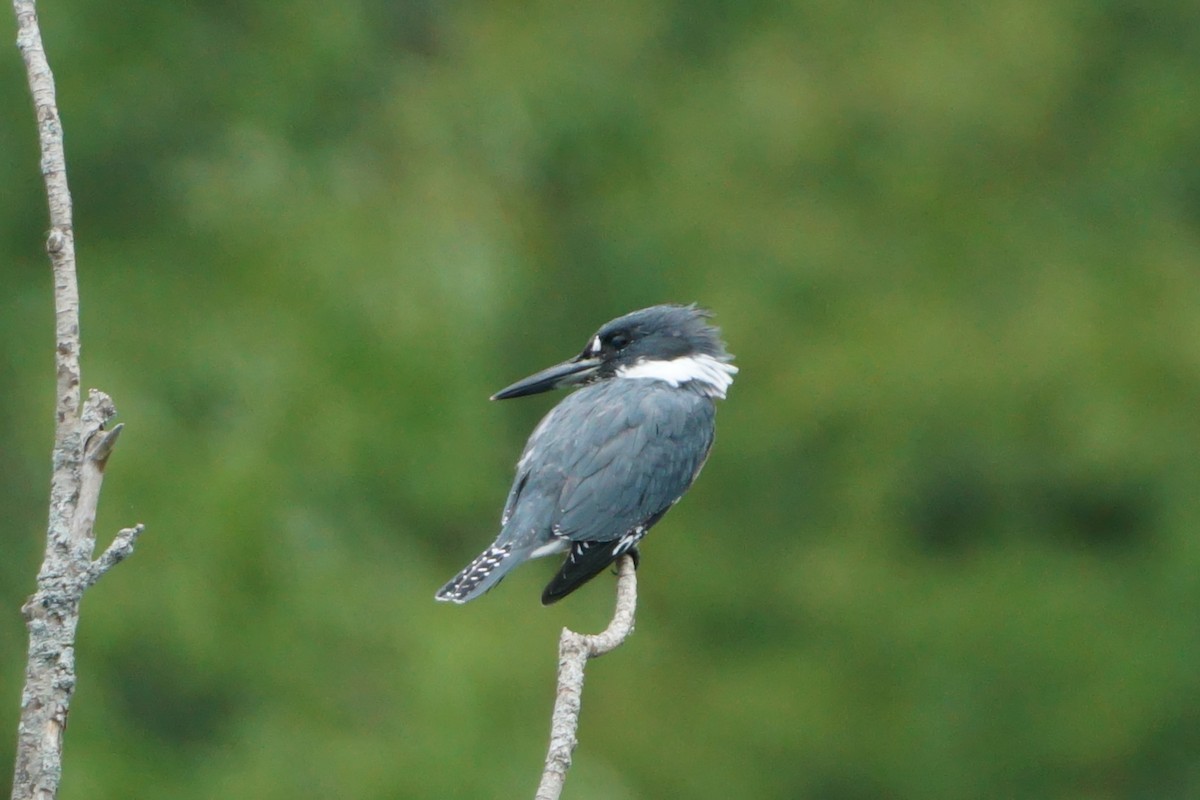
point(585, 561)
point(480, 575)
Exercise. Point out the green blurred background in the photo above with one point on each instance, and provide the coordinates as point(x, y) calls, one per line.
point(947, 545)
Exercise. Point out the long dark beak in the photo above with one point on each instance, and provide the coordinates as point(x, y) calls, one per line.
point(568, 373)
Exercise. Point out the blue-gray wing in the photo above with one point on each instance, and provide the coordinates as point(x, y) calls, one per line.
point(609, 459)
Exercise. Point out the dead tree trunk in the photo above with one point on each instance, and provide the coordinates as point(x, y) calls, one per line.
point(82, 446)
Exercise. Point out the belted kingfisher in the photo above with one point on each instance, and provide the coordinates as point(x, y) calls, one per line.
point(609, 460)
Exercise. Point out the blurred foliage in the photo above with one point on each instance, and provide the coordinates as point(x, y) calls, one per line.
point(947, 544)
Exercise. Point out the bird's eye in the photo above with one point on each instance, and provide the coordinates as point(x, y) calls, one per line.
point(618, 340)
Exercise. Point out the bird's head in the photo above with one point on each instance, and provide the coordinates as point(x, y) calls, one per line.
point(669, 343)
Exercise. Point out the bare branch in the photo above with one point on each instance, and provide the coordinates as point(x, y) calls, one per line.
point(117, 551)
point(81, 450)
point(98, 445)
point(574, 650)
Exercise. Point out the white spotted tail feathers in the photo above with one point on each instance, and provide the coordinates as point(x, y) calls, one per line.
point(478, 576)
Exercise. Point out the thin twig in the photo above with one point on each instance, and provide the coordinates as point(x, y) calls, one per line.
point(81, 450)
point(117, 551)
point(574, 650)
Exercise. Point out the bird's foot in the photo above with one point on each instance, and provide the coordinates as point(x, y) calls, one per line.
point(632, 553)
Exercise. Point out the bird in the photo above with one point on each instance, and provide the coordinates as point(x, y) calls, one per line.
point(606, 463)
